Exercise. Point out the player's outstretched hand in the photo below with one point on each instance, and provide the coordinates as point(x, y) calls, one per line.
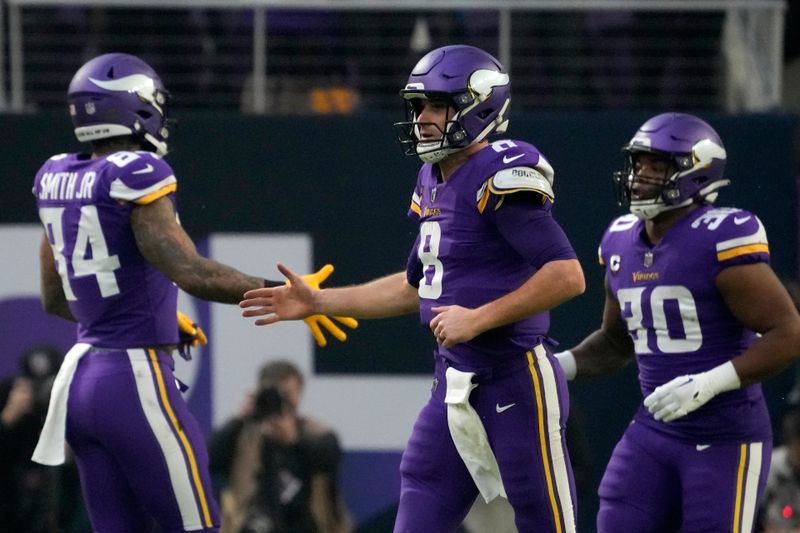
point(294, 301)
point(316, 322)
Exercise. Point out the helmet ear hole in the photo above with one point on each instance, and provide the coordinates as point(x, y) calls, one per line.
point(144, 114)
point(485, 113)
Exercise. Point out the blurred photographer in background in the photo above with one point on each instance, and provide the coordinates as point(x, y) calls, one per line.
point(277, 471)
point(33, 498)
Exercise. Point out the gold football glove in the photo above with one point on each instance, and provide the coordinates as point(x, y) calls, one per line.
point(189, 335)
point(315, 321)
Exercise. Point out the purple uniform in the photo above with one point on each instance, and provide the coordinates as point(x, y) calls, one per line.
point(704, 471)
point(483, 233)
point(138, 448)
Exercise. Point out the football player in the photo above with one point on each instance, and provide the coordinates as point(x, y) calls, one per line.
point(489, 262)
point(111, 256)
point(691, 296)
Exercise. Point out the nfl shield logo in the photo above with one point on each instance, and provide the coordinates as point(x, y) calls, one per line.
point(90, 109)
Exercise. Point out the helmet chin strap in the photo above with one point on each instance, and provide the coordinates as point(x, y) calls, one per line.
point(160, 146)
point(435, 151)
point(649, 211)
point(427, 154)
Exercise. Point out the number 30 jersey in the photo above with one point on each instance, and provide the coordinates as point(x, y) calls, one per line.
point(480, 239)
point(118, 298)
point(678, 320)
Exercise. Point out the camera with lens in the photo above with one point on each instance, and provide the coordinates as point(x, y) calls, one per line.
point(269, 403)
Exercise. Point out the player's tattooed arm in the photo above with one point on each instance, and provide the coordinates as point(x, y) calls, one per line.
point(607, 348)
point(165, 244)
point(54, 301)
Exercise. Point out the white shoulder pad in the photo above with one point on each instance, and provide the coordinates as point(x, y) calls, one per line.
point(517, 179)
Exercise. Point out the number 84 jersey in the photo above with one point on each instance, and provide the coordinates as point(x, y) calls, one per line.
point(676, 317)
point(118, 298)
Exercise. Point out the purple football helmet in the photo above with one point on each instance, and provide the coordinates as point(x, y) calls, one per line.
point(119, 94)
point(474, 84)
point(694, 150)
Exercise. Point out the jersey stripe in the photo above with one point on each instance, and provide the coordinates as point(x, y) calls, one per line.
point(120, 191)
point(737, 508)
point(755, 451)
point(754, 243)
point(184, 440)
point(557, 452)
point(742, 250)
point(484, 199)
point(553, 457)
point(165, 431)
point(416, 200)
point(415, 203)
point(152, 197)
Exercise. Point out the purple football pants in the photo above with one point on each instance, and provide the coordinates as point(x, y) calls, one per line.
point(523, 406)
point(655, 483)
point(140, 452)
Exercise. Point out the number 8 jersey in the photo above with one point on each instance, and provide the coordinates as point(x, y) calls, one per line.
point(482, 234)
point(678, 320)
point(118, 298)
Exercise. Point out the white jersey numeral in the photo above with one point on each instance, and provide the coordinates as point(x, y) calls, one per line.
point(688, 316)
point(430, 286)
point(122, 158)
point(51, 218)
point(633, 300)
point(630, 302)
point(89, 238)
point(503, 145)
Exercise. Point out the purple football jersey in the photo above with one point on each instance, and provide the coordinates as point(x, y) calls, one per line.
point(461, 258)
point(118, 298)
point(678, 319)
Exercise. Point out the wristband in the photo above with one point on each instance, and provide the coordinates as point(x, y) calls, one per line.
point(568, 363)
point(723, 378)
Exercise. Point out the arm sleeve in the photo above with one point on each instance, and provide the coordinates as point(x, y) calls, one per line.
point(414, 266)
point(529, 227)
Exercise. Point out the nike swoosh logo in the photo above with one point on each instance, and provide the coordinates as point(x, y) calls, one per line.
point(738, 221)
point(507, 159)
point(500, 408)
point(701, 447)
point(145, 170)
